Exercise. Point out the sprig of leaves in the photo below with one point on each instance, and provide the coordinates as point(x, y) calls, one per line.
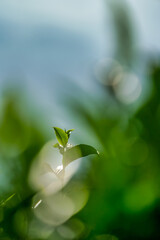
point(71, 153)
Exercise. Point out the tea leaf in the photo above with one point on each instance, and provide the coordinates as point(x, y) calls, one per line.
point(76, 152)
point(61, 135)
point(69, 132)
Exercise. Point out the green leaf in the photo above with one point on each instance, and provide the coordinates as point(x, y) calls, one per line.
point(69, 132)
point(56, 145)
point(2, 203)
point(76, 152)
point(61, 136)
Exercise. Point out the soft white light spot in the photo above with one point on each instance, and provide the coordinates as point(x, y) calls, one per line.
point(128, 88)
point(37, 204)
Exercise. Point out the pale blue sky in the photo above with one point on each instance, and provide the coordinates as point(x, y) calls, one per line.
point(41, 40)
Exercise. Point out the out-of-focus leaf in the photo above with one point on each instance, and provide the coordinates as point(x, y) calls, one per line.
point(76, 152)
point(56, 145)
point(62, 137)
point(47, 167)
point(106, 237)
point(58, 172)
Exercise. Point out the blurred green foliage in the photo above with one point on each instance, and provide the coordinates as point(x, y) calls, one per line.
point(20, 141)
point(123, 182)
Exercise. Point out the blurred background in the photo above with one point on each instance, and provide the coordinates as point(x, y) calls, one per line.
point(91, 65)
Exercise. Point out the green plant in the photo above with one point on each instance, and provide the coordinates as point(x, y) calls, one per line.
point(69, 152)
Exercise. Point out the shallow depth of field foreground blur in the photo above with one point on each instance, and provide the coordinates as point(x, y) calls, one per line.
point(92, 66)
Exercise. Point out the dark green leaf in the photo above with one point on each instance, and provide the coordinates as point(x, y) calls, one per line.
point(62, 137)
point(76, 152)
